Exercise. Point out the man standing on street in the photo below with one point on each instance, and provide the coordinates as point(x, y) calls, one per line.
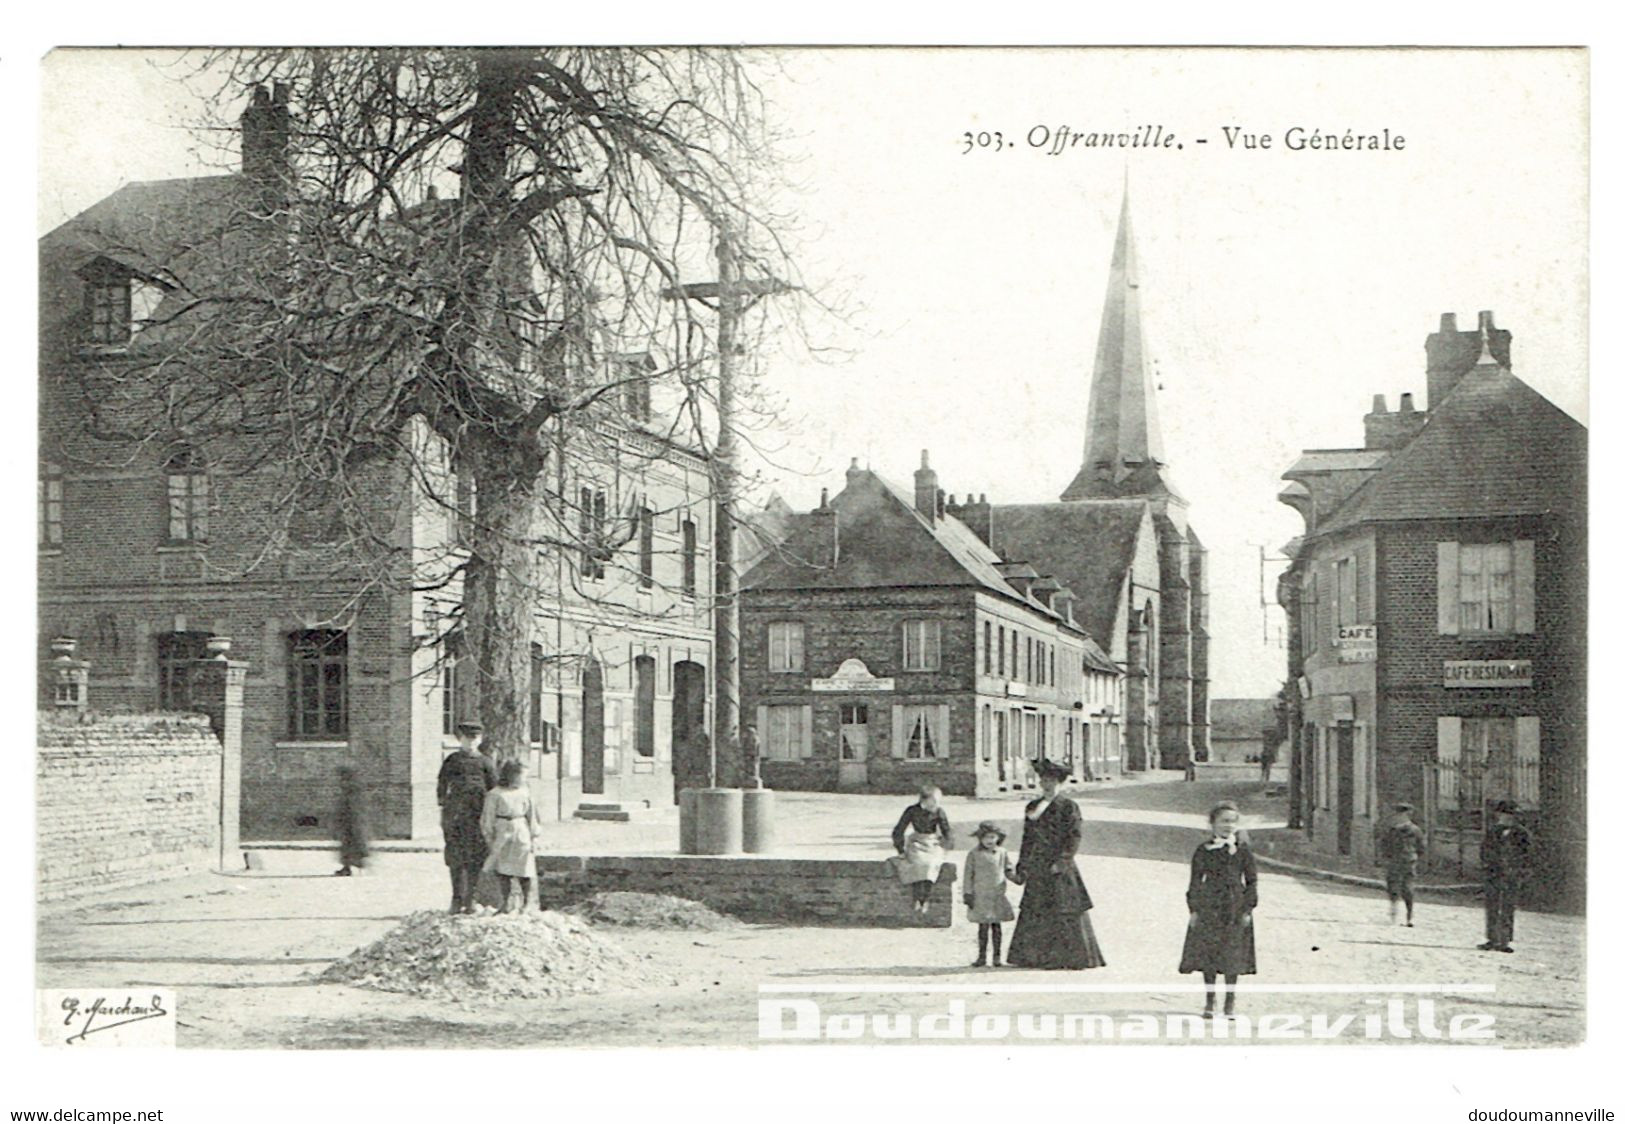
point(1506, 848)
point(1266, 761)
point(465, 777)
point(1400, 847)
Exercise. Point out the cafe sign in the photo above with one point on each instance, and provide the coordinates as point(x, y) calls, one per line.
point(853, 677)
point(1356, 643)
point(1489, 673)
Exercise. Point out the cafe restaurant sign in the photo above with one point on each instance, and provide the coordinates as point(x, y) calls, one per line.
point(1489, 673)
point(852, 677)
point(1356, 643)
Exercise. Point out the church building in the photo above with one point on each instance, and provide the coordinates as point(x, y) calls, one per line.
point(1120, 537)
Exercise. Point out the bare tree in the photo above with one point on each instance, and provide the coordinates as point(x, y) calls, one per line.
point(437, 270)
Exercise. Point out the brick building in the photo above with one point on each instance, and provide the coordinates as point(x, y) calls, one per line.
point(884, 645)
point(1439, 616)
point(147, 553)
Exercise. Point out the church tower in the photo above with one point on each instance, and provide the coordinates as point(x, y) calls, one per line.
point(1123, 454)
point(1124, 459)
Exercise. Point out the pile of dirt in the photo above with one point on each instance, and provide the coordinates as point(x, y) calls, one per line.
point(489, 956)
point(650, 911)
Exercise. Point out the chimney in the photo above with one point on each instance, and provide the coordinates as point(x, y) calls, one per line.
point(1451, 353)
point(1392, 430)
point(927, 496)
point(266, 130)
point(826, 534)
point(853, 472)
point(975, 514)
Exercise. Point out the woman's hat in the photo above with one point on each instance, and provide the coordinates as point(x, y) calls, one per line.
point(1048, 768)
point(1507, 806)
point(470, 728)
point(988, 827)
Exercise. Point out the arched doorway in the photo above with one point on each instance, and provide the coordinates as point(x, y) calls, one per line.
point(690, 751)
point(592, 727)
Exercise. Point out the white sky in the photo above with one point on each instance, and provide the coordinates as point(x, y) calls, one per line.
point(1280, 289)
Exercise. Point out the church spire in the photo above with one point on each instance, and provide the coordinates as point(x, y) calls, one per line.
point(1123, 454)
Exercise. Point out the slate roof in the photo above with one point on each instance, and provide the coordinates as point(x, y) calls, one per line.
point(884, 543)
point(1336, 460)
point(1241, 718)
point(1089, 545)
point(1493, 447)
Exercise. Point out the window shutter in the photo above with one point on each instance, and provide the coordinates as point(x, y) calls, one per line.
point(806, 732)
point(1526, 772)
point(1450, 589)
point(941, 732)
point(899, 743)
point(1449, 758)
point(763, 734)
point(1523, 586)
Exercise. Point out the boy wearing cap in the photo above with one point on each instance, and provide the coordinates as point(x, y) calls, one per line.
point(1506, 847)
point(988, 874)
point(465, 777)
point(1401, 847)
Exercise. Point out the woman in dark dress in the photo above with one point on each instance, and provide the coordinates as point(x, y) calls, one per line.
point(1053, 929)
point(1222, 895)
point(465, 777)
point(352, 822)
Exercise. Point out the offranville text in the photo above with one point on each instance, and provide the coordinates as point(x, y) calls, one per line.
point(1055, 140)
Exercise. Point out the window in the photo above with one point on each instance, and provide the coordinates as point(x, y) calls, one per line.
point(188, 493)
point(542, 732)
point(463, 498)
point(451, 682)
point(317, 681)
point(1001, 650)
point(646, 548)
point(1052, 667)
point(786, 732)
point(922, 645)
point(987, 733)
point(177, 651)
point(690, 559)
point(1306, 612)
point(109, 301)
point(987, 647)
point(50, 505)
point(785, 644)
point(1348, 605)
point(594, 513)
point(1486, 588)
point(922, 733)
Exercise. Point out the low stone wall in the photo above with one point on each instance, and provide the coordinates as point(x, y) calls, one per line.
point(861, 893)
point(124, 799)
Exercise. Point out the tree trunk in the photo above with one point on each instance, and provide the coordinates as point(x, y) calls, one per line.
point(499, 599)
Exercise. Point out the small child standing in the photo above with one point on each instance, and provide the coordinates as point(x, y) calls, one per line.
point(988, 873)
point(509, 825)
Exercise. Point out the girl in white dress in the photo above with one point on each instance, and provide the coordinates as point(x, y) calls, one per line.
point(510, 825)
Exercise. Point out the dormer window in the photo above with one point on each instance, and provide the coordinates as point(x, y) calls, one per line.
point(110, 312)
point(119, 302)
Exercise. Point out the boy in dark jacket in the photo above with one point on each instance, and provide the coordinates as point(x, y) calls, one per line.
point(1401, 847)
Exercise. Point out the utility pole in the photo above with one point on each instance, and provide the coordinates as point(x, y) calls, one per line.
point(731, 297)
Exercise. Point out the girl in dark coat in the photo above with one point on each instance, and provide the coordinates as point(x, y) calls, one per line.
point(352, 823)
point(1222, 895)
point(1053, 929)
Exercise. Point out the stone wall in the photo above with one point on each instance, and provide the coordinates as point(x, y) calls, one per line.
point(858, 892)
point(123, 800)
